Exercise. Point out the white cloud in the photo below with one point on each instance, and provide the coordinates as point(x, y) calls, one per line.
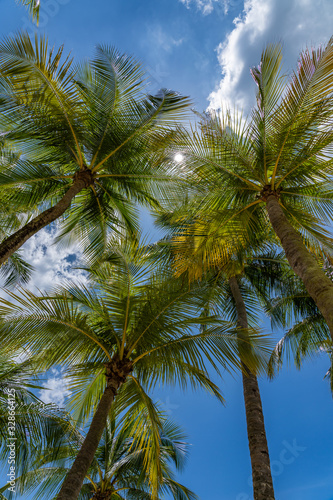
point(207, 6)
point(295, 23)
point(21, 355)
point(161, 40)
point(56, 389)
point(53, 263)
point(160, 46)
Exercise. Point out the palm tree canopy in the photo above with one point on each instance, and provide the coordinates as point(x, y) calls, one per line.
point(122, 308)
point(274, 171)
point(285, 148)
point(119, 465)
point(93, 120)
point(122, 460)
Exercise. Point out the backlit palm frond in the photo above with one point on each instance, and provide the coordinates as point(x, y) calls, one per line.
point(141, 437)
point(306, 107)
point(41, 85)
point(316, 199)
point(145, 422)
point(204, 240)
point(37, 425)
point(179, 491)
point(87, 383)
point(269, 80)
point(39, 482)
point(16, 271)
point(306, 339)
point(219, 153)
point(310, 157)
point(307, 335)
point(315, 235)
point(40, 323)
point(32, 7)
point(95, 215)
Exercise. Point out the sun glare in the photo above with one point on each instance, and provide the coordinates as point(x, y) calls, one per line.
point(179, 157)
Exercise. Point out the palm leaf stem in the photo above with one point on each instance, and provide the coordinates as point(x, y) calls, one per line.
point(254, 186)
point(130, 137)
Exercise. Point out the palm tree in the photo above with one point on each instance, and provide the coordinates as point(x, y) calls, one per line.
point(245, 279)
point(238, 286)
point(275, 168)
point(88, 141)
point(263, 277)
point(122, 334)
point(118, 469)
point(235, 294)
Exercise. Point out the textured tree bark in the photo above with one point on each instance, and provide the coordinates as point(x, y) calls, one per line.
point(116, 371)
point(102, 495)
point(319, 286)
point(82, 179)
point(261, 468)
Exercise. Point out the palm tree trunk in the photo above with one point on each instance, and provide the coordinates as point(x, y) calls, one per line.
point(319, 286)
point(261, 468)
point(102, 496)
point(117, 371)
point(82, 179)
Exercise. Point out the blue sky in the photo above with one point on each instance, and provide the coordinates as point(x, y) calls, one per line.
point(204, 48)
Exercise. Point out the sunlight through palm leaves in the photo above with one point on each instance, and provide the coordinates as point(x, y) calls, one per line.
point(88, 140)
point(276, 167)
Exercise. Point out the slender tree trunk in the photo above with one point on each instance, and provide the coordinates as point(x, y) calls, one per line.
point(319, 286)
point(82, 179)
point(116, 371)
point(261, 468)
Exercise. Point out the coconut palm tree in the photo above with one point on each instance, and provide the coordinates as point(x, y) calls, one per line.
point(263, 277)
point(275, 168)
point(236, 294)
point(117, 337)
point(88, 141)
point(118, 469)
point(238, 287)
